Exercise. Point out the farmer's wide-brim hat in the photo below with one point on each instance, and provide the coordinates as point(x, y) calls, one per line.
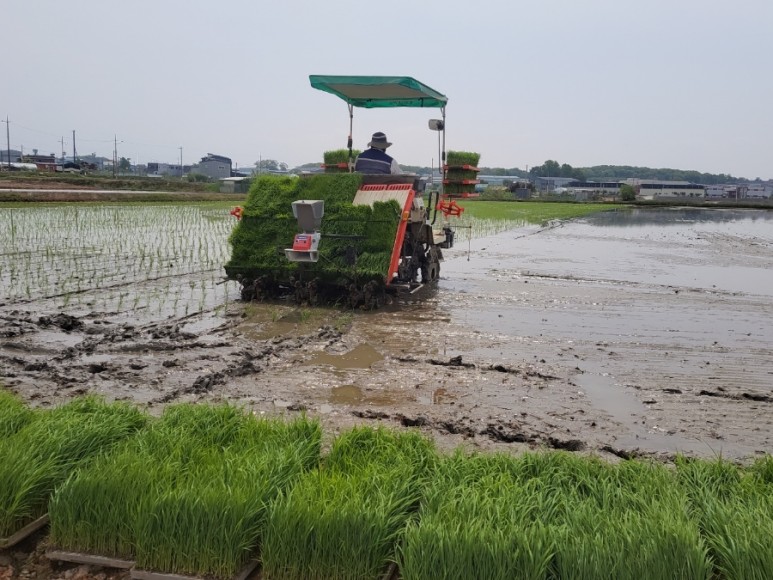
point(379, 141)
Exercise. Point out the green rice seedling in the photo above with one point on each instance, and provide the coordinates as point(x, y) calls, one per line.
point(14, 414)
point(458, 158)
point(763, 469)
point(629, 521)
point(193, 490)
point(345, 520)
point(41, 455)
point(473, 523)
point(339, 156)
point(734, 509)
point(268, 227)
point(545, 515)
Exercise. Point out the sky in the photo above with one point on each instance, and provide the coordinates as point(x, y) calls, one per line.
point(684, 84)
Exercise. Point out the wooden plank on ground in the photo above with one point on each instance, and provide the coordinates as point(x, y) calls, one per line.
point(81, 558)
point(27, 530)
point(147, 575)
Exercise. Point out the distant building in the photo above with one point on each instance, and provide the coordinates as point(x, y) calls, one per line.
point(586, 190)
point(167, 169)
point(759, 190)
point(740, 191)
point(215, 166)
point(235, 184)
point(550, 184)
point(15, 155)
point(654, 188)
point(43, 162)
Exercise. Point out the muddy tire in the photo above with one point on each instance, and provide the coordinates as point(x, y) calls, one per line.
point(430, 271)
point(248, 291)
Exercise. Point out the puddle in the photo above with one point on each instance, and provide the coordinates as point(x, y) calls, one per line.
point(439, 397)
point(354, 395)
point(346, 395)
point(627, 410)
point(360, 357)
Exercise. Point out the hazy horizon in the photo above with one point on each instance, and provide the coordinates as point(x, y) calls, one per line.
point(682, 85)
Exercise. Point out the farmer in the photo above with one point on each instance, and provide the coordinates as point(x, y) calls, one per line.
point(375, 159)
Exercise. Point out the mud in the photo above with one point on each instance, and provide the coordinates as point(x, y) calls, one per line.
point(646, 333)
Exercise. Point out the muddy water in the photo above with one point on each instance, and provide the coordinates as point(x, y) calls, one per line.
point(652, 307)
point(636, 332)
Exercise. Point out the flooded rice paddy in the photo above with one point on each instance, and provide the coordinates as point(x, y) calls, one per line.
point(642, 331)
point(143, 261)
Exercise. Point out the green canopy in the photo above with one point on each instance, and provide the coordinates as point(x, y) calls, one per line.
point(378, 92)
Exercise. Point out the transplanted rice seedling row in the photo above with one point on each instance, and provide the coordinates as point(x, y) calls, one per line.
point(64, 251)
point(346, 519)
point(189, 494)
point(42, 454)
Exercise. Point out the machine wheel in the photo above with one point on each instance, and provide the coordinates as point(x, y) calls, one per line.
point(430, 271)
point(248, 290)
point(254, 289)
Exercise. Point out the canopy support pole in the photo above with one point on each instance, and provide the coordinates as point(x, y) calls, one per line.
point(349, 141)
point(443, 154)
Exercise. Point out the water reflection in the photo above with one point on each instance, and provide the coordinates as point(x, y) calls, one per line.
point(675, 217)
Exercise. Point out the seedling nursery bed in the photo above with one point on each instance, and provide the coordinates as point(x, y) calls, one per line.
point(210, 491)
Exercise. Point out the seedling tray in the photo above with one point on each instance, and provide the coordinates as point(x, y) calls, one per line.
point(461, 182)
point(24, 532)
point(148, 575)
point(463, 167)
point(82, 558)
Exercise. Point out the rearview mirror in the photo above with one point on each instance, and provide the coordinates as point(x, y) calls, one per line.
point(436, 125)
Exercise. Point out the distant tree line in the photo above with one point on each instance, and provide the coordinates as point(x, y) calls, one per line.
point(552, 168)
point(603, 172)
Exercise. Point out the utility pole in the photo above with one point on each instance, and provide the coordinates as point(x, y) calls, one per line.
point(8, 139)
point(181, 162)
point(62, 149)
point(74, 154)
point(115, 153)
